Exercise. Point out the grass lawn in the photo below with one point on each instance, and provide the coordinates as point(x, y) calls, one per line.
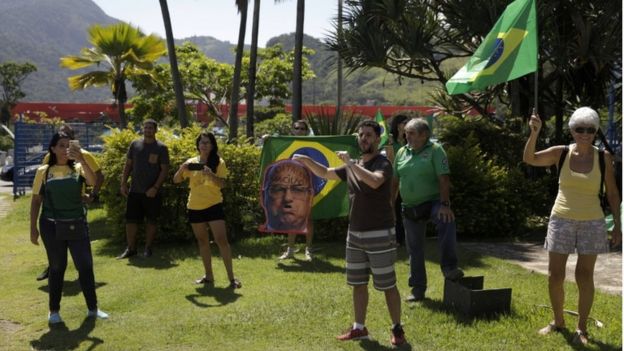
point(295, 305)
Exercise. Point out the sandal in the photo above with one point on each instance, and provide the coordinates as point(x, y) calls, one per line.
point(235, 284)
point(204, 281)
point(551, 327)
point(581, 337)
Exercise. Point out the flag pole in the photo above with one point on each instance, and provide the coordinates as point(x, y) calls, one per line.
point(536, 85)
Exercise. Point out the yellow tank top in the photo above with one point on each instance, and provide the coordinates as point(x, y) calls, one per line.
point(204, 192)
point(578, 192)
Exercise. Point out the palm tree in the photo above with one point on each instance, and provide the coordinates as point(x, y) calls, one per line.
point(173, 63)
point(253, 56)
point(236, 80)
point(297, 69)
point(298, 62)
point(124, 50)
point(339, 63)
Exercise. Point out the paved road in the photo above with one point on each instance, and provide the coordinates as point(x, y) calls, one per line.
point(607, 274)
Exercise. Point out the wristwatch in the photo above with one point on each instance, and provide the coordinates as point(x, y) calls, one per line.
point(445, 203)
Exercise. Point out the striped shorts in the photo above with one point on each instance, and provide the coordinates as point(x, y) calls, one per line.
point(371, 252)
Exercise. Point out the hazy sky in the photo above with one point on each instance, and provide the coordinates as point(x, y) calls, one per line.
point(220, 19)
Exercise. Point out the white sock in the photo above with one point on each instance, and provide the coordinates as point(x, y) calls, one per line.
point(359, 326)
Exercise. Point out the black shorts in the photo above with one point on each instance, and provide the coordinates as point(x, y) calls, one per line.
point(212, 213)
point(140, 206)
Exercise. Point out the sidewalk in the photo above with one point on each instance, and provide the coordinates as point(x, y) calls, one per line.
point(532, 256)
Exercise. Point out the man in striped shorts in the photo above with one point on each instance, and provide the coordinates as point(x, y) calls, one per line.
point(371, 246)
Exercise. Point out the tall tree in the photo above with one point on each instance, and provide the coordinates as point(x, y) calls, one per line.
point(297, 93)
point(298, 64)
point(12, 75)
point(173, 63)
point(253, 56)
point(236, 81)
point(339, 62)
point(124, 51)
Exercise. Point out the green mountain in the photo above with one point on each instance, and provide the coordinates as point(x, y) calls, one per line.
point(42, 31)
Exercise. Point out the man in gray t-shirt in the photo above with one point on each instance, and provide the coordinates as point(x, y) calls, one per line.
point(371, 245)
point(148, 163)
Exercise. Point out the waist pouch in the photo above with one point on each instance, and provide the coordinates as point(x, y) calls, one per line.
point(418, 213)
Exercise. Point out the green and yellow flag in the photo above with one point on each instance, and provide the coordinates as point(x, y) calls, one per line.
point(379, 118)
point(330, 196)
point(509, 51)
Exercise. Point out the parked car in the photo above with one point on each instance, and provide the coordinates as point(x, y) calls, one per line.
point(7, 172)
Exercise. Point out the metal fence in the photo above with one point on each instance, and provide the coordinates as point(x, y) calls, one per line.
point(31, 146)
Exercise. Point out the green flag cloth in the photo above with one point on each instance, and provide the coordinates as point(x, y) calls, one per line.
point(330, 196)
point(509, 51)
point(379, 118)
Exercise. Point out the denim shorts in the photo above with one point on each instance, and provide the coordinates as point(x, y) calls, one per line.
point(566, 236)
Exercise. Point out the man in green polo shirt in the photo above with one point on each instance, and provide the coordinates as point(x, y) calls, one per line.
point(422, 172)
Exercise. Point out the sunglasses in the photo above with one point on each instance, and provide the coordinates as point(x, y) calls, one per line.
point(586, 130)
point(299, 128)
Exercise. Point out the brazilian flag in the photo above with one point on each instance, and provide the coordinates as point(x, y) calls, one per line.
point(379, 118)
point(330, 196)
point(508, 52)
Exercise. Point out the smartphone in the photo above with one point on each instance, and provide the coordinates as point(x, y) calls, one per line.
point(74, 144)
point(195, 166)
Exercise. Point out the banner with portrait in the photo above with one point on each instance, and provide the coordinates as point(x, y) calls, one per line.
point(288, 189)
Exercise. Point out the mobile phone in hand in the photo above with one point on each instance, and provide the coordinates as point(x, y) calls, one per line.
point(195, 166)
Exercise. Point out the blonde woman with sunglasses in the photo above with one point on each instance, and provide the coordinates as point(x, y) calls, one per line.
point(576, 221)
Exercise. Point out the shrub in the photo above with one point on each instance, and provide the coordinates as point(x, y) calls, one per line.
point(280, 125)
point(491, 195)
point(241, 204)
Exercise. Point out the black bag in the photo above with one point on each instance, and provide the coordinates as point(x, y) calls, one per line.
point(70, 229)
point(418, 213)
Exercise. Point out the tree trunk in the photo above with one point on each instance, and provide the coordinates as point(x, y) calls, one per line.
point(339, 64)
point(253, 56)
point(173, 63)
point(121, 97)
point(297, 69)
point(236, 81)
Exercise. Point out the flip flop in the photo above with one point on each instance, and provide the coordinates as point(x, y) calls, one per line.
point(551, 327)
point(204, 280)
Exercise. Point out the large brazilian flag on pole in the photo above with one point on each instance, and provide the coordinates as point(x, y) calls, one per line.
point(330, 196)
point(509, 51)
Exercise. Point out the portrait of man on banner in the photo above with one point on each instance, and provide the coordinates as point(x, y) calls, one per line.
point(287, 193)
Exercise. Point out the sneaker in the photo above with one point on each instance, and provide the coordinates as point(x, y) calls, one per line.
point(308, 254)
point(126, 254)
point(290, 253)
point(54, 318)
point(454, 274)
point(97, 314)
point(415, 297)
point(354, 334)
point(398, 336)
point(148, 252)
point(44, 274)
point(235, 284)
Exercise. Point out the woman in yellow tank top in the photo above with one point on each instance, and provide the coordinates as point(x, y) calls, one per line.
point(576, 222)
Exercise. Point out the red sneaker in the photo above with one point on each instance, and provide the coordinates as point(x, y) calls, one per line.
point(354, 334)
point(398, 336)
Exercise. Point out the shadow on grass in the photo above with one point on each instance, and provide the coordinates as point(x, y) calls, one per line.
point(374, 345)
point(439, 307)
point(569, 336)
point(223, 296)
point(316, 265)
point(59, 337)
point(70, 288)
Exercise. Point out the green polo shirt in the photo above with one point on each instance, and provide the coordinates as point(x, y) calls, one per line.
point(418, 172)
